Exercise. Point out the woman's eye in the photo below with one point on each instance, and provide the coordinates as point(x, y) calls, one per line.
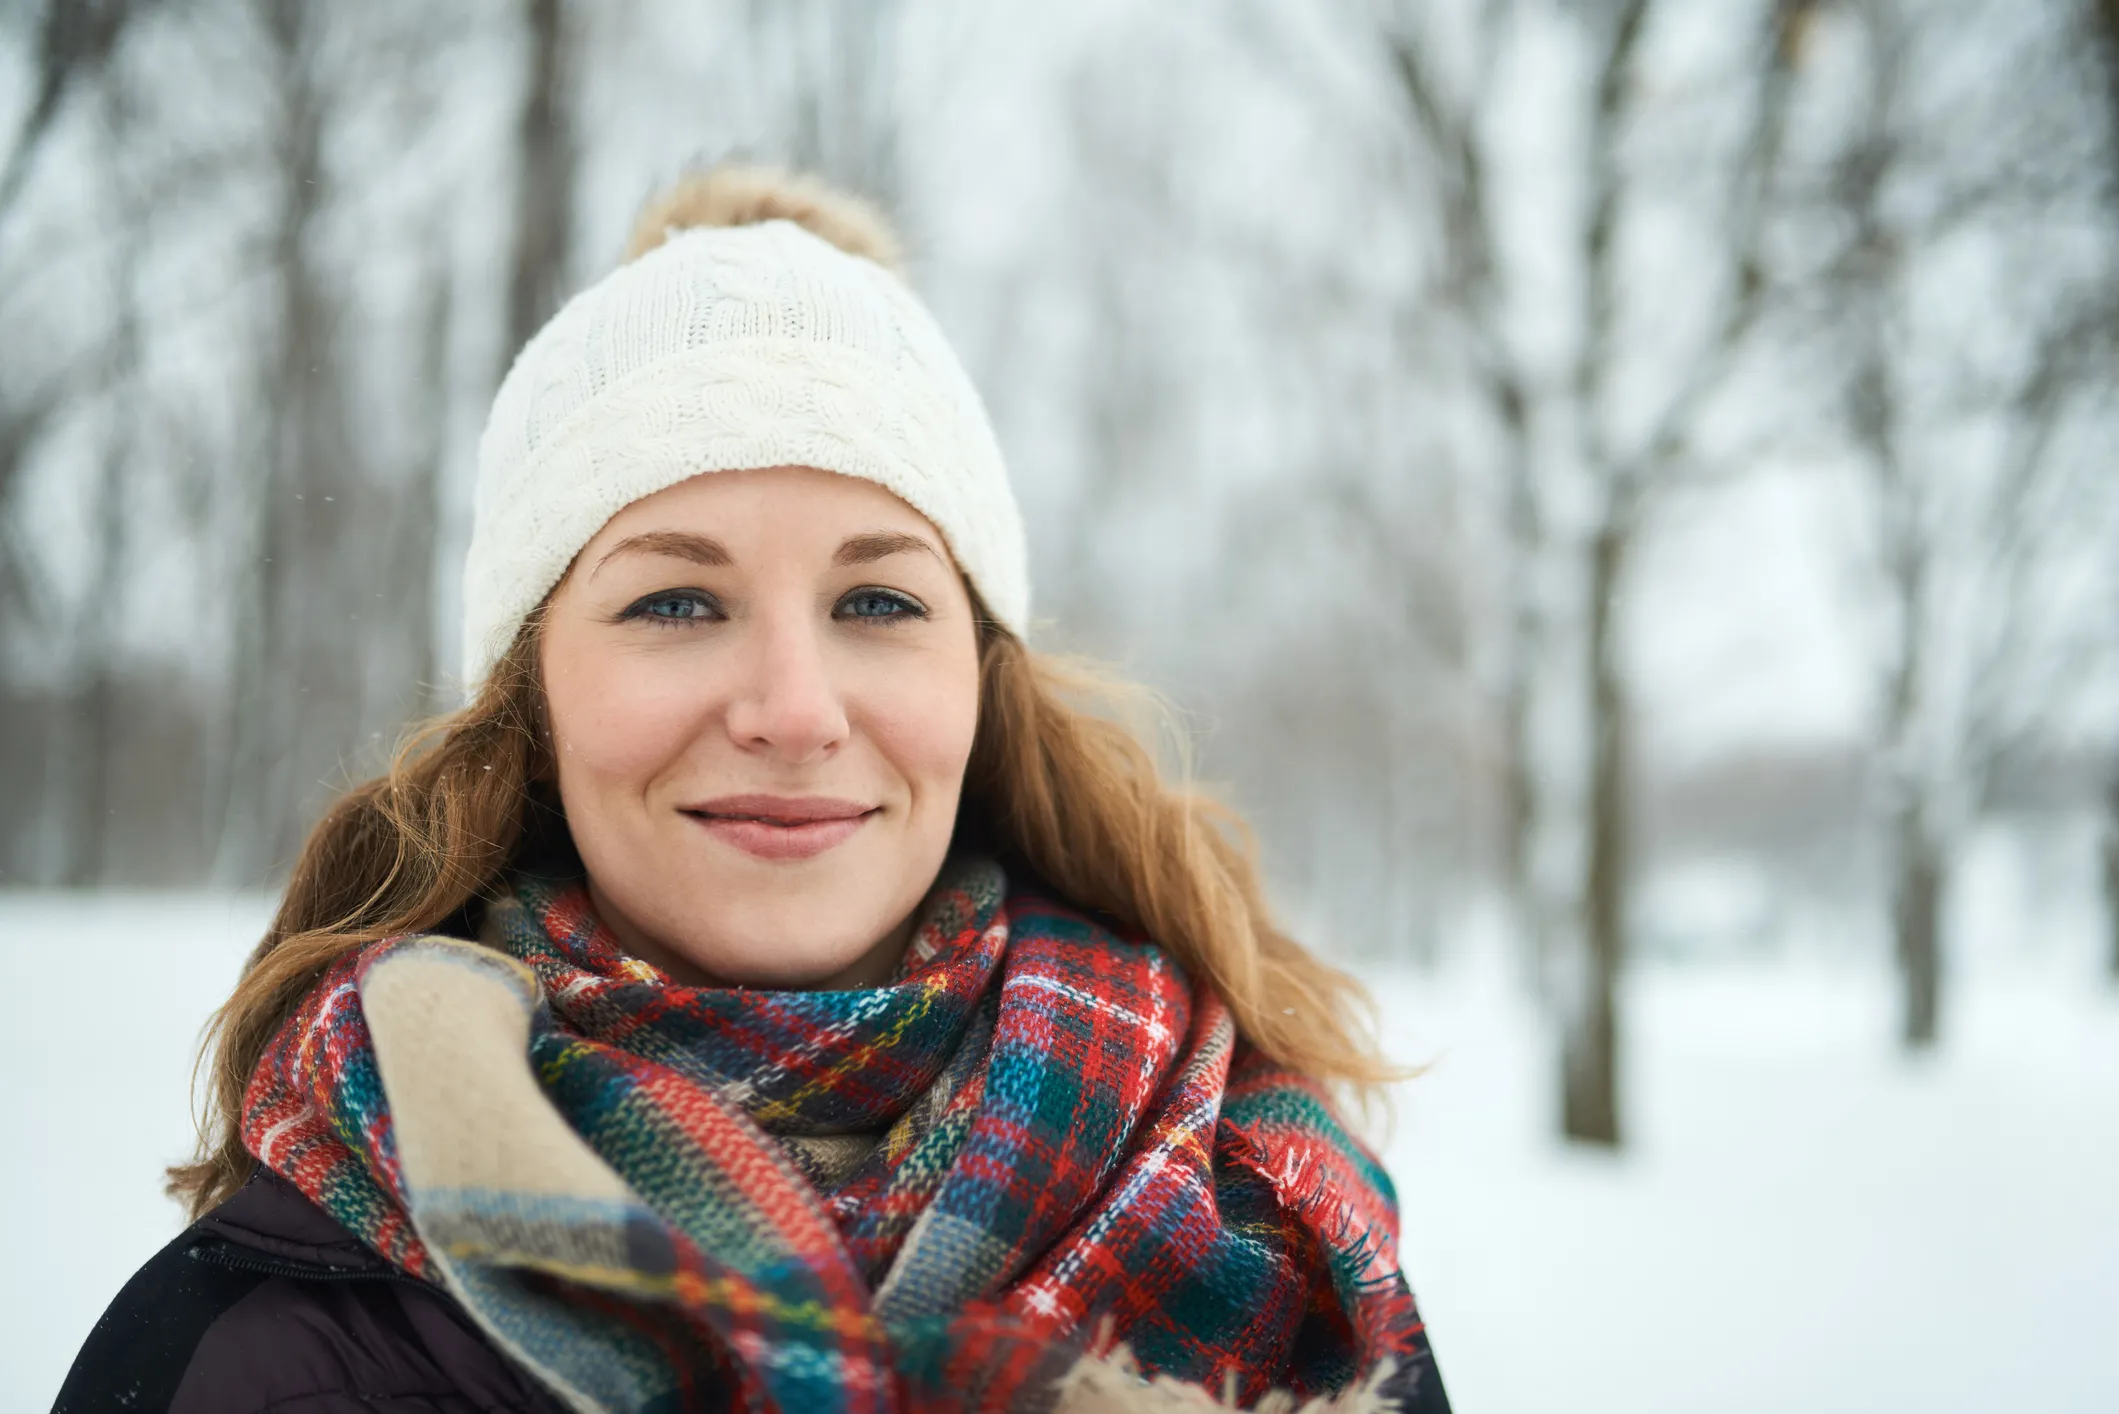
point(880, 604)
point(673, 606)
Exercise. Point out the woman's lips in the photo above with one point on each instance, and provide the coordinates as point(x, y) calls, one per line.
point(780, 827)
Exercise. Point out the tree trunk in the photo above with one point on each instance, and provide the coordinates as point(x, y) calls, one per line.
point(1519, 780)
point(2104, 28)
point(92, 725)
point(416, 610)
point(75, 39)
point(1920, 874)
point(544, 193)
point(2111, 872)
point(302, 652)
point(1518, 827)
point(1590, 1108)
point(1589, 1056)
point(89, 727)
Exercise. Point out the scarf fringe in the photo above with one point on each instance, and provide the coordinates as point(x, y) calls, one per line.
point(1112, 1383)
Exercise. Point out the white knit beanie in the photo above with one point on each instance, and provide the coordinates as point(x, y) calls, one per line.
point(729, 346)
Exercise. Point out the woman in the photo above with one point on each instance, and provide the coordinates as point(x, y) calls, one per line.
point(774, 990)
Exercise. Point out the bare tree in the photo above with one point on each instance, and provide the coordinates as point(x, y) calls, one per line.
point(1869, 275)
point(25, 413)
point(2111, 874)
point(1469, 286)
point(89, 723)
point(324, 657)
point(1554, 435)
point(74, 42)
point(2102, 18)
point(1629, 481)
point(289, 688)
point(1624, 476)
point(1979, 656)
point(544, 191)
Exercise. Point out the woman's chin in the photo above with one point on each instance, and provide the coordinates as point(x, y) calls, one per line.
point(775, 969)
point(718, 916)
point(790, 949)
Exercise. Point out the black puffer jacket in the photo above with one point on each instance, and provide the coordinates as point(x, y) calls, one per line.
point(267, 1306)
point(266, 1303)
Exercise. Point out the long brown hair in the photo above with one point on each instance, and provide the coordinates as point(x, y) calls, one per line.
point(1058, 779)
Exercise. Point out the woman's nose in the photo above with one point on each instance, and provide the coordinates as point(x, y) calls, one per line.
point(787, 706)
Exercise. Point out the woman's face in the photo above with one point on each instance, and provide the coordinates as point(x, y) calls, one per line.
point(762, 688)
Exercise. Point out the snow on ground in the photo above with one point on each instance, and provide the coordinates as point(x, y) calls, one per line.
point(1803, 1219)
point(110, 992)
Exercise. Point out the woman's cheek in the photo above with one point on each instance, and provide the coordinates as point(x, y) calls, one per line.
point(629, 721)
point(927, 727)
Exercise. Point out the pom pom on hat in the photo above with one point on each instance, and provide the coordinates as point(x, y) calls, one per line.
point(749, 196)
point(759, 321)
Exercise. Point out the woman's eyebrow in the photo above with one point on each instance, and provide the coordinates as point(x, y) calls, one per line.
point(681, 543)
point(877, 544)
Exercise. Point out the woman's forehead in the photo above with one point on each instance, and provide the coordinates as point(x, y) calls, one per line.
point(783, 500)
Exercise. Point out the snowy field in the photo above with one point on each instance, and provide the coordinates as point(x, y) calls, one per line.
point(1804, 1220)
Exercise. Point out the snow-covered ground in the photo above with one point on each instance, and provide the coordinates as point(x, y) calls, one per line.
point(1803, 1219)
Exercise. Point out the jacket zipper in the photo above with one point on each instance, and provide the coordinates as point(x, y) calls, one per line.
point(223, 1253)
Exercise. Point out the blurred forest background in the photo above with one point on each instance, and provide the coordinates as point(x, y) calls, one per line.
point(1634, 472)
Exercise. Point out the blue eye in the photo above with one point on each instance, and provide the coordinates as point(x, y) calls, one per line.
point(674, 606)
point(872, 603)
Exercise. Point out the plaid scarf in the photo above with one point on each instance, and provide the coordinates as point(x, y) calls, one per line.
point(1037, 1141)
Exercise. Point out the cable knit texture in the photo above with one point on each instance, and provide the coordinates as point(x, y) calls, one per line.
point(722, 349)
